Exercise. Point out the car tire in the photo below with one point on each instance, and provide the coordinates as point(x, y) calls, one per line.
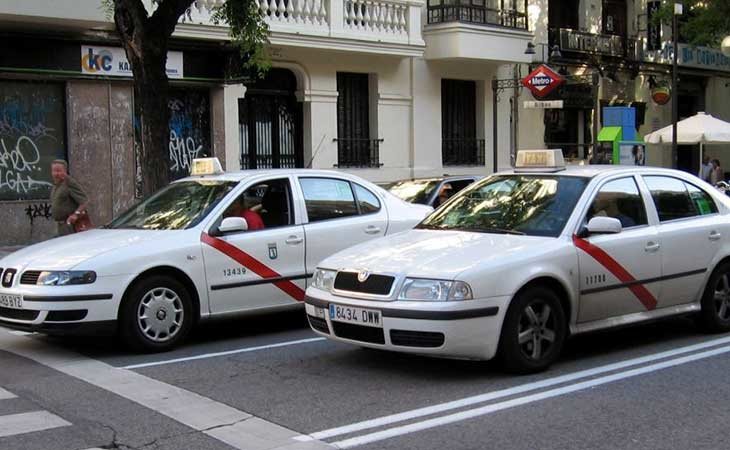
point(715, 313)
point(537, 315)
point(156, 314)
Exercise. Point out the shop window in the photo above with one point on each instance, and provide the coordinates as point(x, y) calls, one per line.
point(32, 134)
point(614, 17)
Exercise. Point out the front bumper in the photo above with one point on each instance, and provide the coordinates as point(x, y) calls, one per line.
point(90, 308)
point(468, 330)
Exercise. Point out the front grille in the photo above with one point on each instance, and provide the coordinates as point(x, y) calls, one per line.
point(18, 314)
point(30, 277)
point(358, 333)
point(318, 324)
point(374, 284)
point(67, 316)
point(407, 338)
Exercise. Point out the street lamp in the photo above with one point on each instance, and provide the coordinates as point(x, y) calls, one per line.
point(725, 46)
point(675, 44)
point(554, 51)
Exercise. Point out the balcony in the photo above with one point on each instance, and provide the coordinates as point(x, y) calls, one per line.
point(359, 153)
point(367, 26)
point(494, 30)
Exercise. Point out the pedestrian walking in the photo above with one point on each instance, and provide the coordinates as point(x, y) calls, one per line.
point(705, 169)
point(717, 174)
point(68, 199)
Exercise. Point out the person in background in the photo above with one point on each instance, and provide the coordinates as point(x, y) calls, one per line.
point(717, 173)
point(705, 169)
point(444, 194)
point(68, 199)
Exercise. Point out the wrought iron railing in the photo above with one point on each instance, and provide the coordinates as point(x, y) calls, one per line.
point(358, 152)
point(505, 13)
point(462, 152)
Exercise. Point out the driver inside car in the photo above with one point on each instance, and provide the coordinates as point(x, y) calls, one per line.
point(239, 208)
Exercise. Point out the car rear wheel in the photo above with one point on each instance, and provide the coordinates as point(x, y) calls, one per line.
point(156, 314)
point(533, 332)
point(715, 314)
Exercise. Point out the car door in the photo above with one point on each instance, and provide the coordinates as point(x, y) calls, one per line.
point(690, 233)
point(619, 272)
point(340, 214)
point(259, 267)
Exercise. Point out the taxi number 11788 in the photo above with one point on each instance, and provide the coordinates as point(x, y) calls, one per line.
point(359, 316)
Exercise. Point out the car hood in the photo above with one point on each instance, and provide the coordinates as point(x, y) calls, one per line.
point(64, 253)
point(433, 253)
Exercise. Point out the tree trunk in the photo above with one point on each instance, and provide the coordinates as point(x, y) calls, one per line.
point(145, 38)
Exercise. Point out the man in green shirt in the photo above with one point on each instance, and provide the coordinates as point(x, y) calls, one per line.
point(68, 199)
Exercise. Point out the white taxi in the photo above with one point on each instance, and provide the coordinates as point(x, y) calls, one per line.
point(518, 261)
point(209, 245)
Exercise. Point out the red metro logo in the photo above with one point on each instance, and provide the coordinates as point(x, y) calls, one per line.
point(542, 81)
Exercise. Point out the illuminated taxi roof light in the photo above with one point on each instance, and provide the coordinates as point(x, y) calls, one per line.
point(206, 166)
point(549, 160)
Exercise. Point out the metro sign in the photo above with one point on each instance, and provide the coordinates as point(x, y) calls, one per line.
point(542, 81)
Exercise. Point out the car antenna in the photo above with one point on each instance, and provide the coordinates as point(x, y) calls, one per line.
point(309, 165)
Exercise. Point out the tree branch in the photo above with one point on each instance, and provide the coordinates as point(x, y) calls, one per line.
point(168, 13)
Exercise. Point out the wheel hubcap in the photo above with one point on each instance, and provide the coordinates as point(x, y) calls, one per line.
point(160, 314)
point(536, 334)
point(722, 297)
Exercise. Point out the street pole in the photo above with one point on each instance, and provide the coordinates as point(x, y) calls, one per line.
point(675, 96)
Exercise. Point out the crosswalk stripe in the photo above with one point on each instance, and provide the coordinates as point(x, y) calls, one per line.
point(29, 422)
point(4, 395)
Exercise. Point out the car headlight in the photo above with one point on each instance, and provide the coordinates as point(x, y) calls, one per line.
point(421, 289)
point(324, 279)
point(66, 277)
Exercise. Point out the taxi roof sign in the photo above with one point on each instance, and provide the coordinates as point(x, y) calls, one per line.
point(206, 166)
point(547, 160)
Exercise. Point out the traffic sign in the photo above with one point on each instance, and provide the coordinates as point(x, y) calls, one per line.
point(542, 81)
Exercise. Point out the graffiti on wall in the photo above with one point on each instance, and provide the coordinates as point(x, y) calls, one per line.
point(189, 133)
point(38, 211)
point(31, 136)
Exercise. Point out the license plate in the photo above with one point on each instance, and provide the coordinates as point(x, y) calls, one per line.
point(11, 301)
point(358, 316)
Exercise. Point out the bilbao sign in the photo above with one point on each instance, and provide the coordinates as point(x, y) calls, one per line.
point(542, 81)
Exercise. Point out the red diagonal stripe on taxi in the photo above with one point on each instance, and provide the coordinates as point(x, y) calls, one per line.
point(253, 265)
point(613, 266)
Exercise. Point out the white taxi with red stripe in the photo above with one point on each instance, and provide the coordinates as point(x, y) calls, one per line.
point(515, 263)
point(210, 245)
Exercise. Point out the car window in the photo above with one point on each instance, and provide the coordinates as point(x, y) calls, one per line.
point(621, 200)
point(703, 202)
point(368, 202)
point(414, 191)
point(250, 205)
point(671, 198)
point(328, 198)
point(458, 185)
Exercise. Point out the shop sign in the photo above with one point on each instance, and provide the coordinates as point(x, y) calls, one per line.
point(112, 61)
point(697, 57)
point(542, 81)
point(583, 42)
point(546, 104)
point(661, 95)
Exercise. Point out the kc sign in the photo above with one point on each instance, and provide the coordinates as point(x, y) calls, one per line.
point(542, 81)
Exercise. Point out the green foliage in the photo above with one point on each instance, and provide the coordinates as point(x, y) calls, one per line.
point(107, 7)
point(704, 22)
point(248, 31)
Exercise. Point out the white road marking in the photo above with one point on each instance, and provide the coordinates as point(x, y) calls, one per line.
point(225, 353)
point(4, 395)
point(472, 413)
point(29, 422)
point(236, 428)
point(468, 401)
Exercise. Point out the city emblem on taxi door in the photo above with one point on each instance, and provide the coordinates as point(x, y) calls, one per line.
point(273, 252)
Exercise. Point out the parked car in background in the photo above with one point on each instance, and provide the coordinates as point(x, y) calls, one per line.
point(212, 244)
point(430, 191)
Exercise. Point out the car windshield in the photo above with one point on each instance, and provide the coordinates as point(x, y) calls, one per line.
point(178, 206)
point(414, 191)
point(535, 205)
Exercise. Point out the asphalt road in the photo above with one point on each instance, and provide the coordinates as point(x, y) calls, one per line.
point(269, 382)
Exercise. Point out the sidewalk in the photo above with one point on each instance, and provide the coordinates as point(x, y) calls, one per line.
point(4, 251)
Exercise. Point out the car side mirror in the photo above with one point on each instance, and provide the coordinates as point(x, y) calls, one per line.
point(231, 224)
point(604, 225)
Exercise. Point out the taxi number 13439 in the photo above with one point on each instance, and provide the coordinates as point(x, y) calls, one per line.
point(359, 316)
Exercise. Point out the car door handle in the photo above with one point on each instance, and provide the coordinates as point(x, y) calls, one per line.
point(651, 247)
point(714, 236)
point(294, 240)
point(372, 229)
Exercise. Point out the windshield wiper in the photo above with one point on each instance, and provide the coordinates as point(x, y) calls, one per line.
point(499, 231)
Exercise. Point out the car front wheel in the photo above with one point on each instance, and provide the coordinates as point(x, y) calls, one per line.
point(156, 314)
point(533, 332)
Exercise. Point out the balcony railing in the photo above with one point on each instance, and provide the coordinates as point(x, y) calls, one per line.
point(462, 152)
point(358, 153)
point(505, 13)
